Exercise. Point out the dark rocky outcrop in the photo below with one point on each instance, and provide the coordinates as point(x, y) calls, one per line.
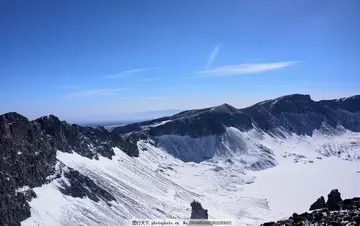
point(80, 186)
point(318, 204)
point(128, 142)
point(335, 212)
point(198, 212)
point(334, 200)
point(26, 158)
point(28, 155)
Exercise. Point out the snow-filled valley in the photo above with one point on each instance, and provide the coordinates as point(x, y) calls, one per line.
point(251, 177)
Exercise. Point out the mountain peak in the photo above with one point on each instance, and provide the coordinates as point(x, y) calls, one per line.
point(295, 97)
point(226, 108)
point(14, 116)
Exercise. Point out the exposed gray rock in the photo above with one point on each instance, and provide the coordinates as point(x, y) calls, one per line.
point(197, 211)
point(80, 186)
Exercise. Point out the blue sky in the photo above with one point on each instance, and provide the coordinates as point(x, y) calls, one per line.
point(108, 60)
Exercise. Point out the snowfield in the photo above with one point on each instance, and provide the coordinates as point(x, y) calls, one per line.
point(252, 177)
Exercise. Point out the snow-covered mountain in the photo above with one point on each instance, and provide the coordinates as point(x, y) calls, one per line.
point(249, 165)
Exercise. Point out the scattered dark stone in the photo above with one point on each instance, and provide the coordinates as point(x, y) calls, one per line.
point(269, 223)
point(217, 168)
point(159, 210)
point(318, 204)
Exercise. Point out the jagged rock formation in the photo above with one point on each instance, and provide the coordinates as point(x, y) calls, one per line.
point(198, 212)
point(335, 212)
point(318, 204)
point(334, 200)
point(28, 156)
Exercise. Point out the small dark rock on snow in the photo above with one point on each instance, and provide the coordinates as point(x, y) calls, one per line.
point(197, 211)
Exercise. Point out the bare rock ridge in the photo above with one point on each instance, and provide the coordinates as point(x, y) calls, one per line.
point(334, 212)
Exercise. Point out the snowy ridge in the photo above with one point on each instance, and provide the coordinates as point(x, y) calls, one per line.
point(159, 185)
point(233, 145)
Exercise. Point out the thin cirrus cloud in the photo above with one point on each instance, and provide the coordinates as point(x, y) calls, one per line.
point(247, 68)
point(212, 56)
point(128, 72)
point(93, 92)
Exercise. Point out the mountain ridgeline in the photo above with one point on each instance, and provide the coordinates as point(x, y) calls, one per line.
point(295, 113)
point(216, 131)
point(28, 149)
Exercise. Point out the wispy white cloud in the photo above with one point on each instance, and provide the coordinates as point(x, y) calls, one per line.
point(150, 79)
point(129, 72)
point(212, 56)
point(93, 92)
point(247, 68)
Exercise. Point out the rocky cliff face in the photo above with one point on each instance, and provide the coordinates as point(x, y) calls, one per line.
point(28, 156)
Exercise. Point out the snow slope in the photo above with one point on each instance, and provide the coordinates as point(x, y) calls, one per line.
point(158, 185)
